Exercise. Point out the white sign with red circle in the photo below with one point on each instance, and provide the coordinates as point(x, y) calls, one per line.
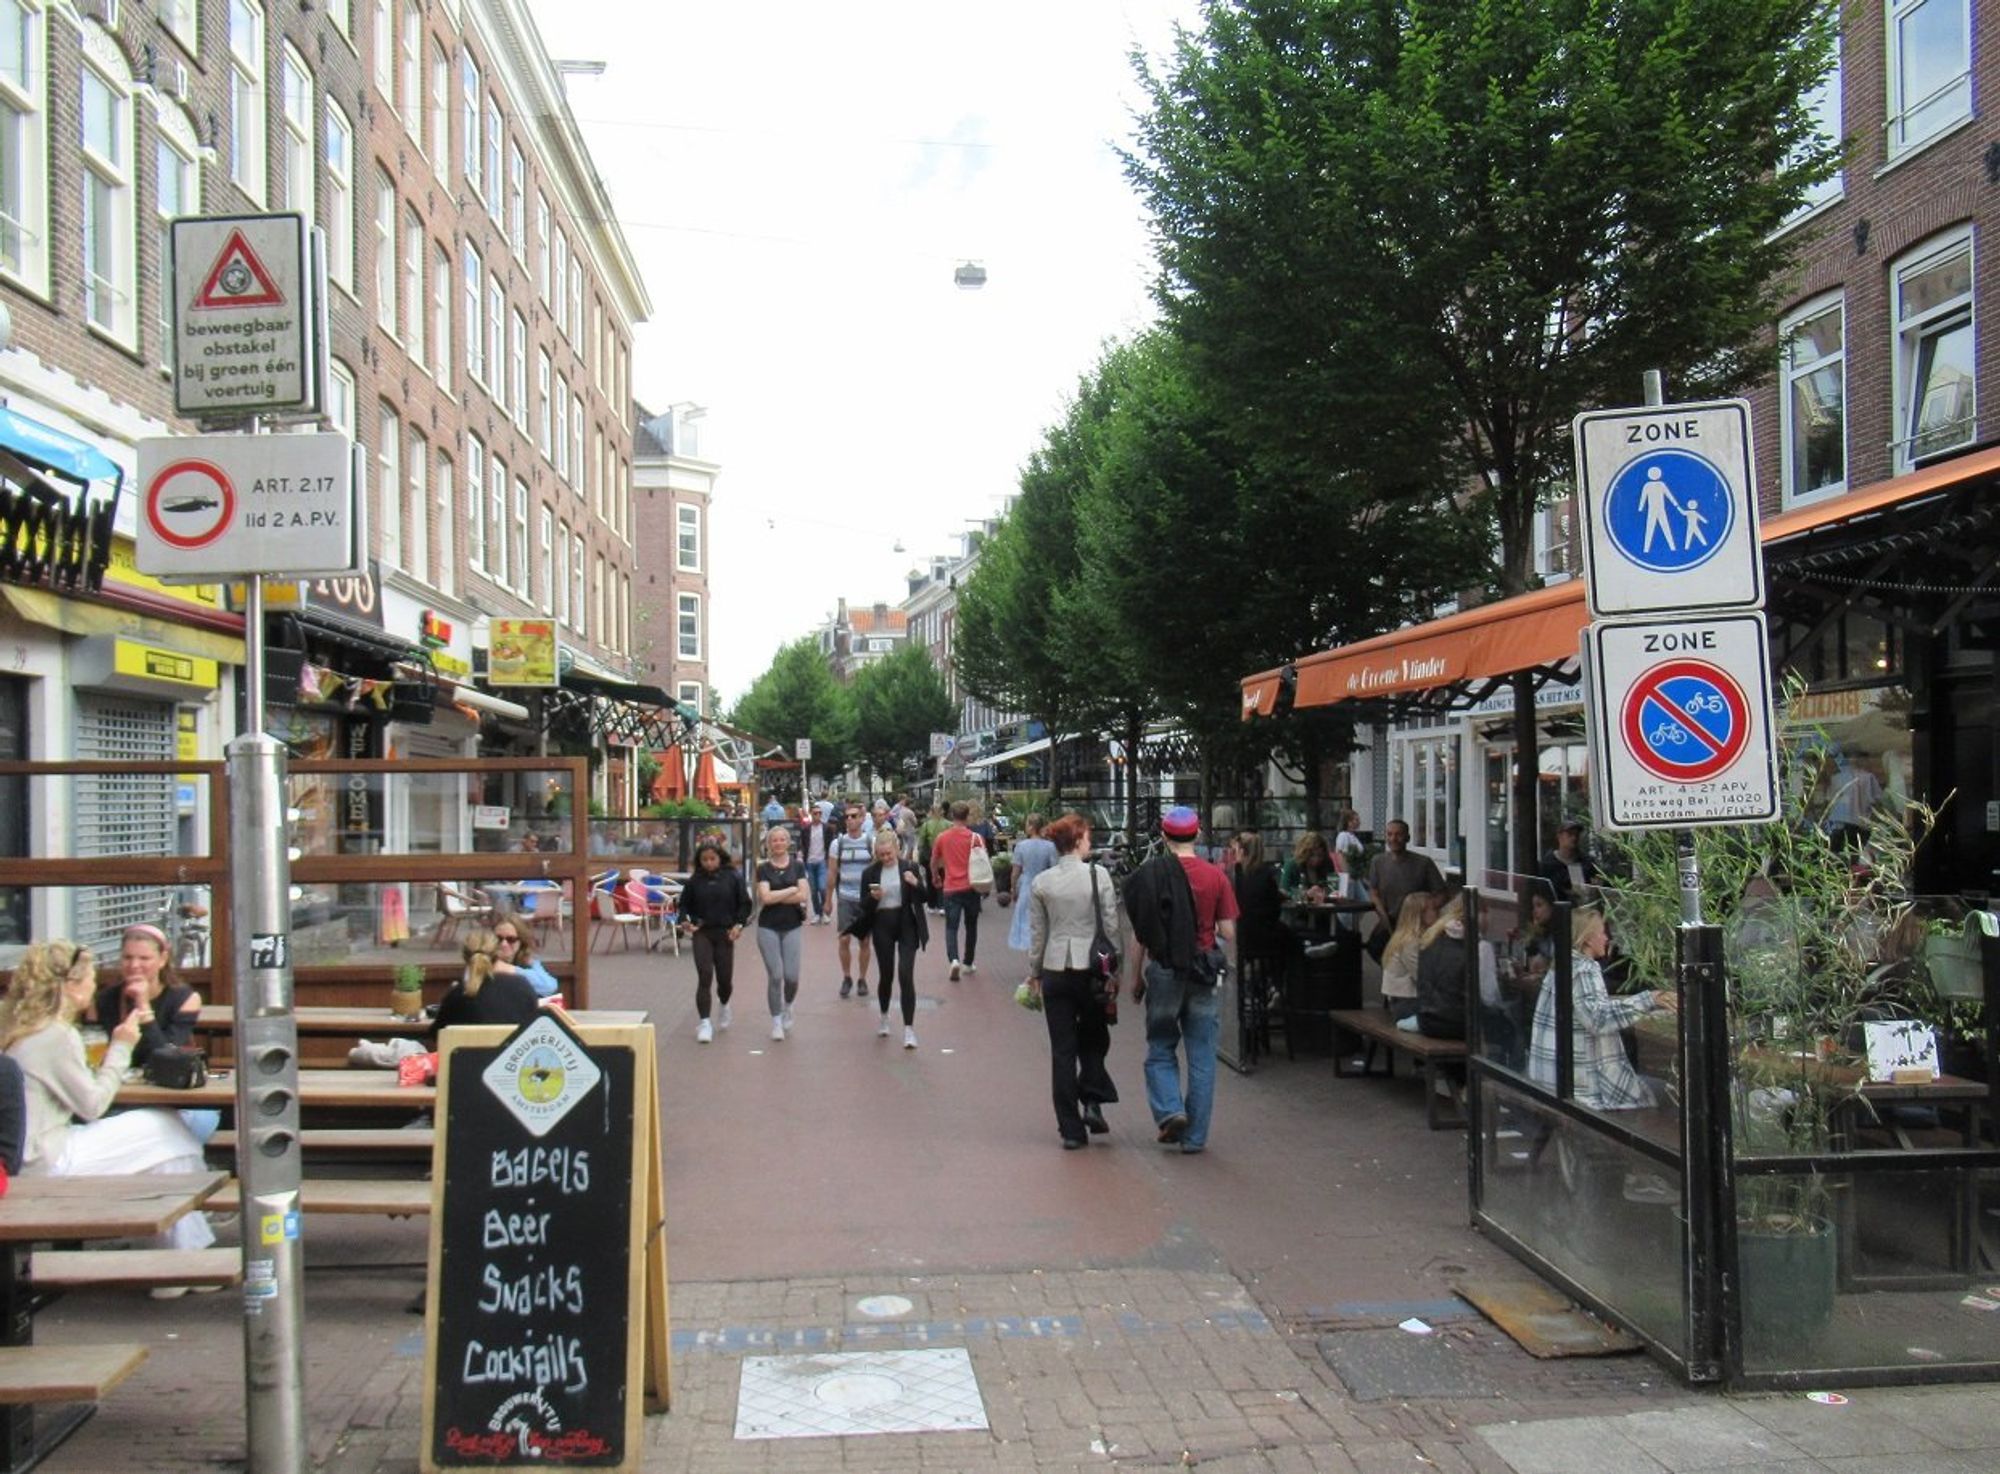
point(230, 505)
point(1682, 722)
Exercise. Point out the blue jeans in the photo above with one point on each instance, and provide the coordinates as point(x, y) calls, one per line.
point(816, 879)
point(1180, 1010)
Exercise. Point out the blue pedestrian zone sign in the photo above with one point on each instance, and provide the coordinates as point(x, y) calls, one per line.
point(1669, 509)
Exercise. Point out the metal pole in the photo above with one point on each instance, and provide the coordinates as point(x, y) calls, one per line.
point(267, 1079)
point(1689, 864)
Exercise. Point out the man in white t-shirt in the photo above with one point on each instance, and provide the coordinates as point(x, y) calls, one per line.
point(851, 853)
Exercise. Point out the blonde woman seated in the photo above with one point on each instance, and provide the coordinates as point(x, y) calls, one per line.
point(69, 1134)
point(1605, 1079)
point(1399, 959)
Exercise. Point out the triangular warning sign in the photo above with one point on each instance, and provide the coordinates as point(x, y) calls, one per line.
point(238, 279)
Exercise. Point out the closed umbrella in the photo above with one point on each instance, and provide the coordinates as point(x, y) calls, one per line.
point(705, 787)
point(671, 782)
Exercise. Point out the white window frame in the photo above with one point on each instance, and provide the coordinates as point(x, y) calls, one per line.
point(517, 200)
point(1416, 784)
point(340, 12)
point(472, 273)
point(542, 247)
point(681, 694)
point(438, 123)
point(24, 210)
point(1915, 121)
point(475, 496)
point(597, 599)
point(443, 285)
point(182, 18)
point(578, 594)
point(340, 398)
point(576, 444)
point(385, 252)
point(517, 370)
point(496, 531)
point(687, 606)
point(176, 157)
point(416, 245)
point(1825, 104)
point(110, 294)
point(295, 108)
point(389, 482)
point(687, 534)
point(382, 46)
point(447, 539)
point(417, 465)
point(548, 557)
point(1908, 336)
point(496, 133)
point(496, 338)
point(543, 380)
point(411, 56)
point(521, 571)
point(560, 304)
point(472, 90)
point(1792, 369)
point(575, 295)
point(560, 458)
point(248, 140)
point(339, 196)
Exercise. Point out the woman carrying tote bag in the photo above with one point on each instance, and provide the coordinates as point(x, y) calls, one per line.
point(1070, 905)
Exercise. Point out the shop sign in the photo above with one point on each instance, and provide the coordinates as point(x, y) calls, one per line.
point(235, 504)
point(55, 536)
point(123, 571)
point(355, 596)
point(149, 663)
point(523, 653)
point(492, 816)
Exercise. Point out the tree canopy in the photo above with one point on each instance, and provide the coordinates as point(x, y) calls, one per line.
point(898, 702)
point(796, 697)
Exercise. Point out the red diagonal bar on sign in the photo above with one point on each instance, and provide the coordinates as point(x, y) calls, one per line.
point(1653, 688)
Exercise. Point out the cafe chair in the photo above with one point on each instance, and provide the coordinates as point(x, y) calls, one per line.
point(455, 908)
point(657, 899)
point(607, 917)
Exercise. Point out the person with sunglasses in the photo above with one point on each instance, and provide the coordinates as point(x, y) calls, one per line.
point(486, 994)
point(515, 953)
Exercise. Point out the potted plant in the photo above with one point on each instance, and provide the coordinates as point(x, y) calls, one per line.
point(1811, 929)
point(406, 991)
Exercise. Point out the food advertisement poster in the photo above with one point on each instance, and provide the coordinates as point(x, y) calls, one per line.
point(523, 653)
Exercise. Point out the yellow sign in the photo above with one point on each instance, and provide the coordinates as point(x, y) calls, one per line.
point(449, 664)
point(187, 735)
point(124, 569)
point(523, 653)
point(196, 672)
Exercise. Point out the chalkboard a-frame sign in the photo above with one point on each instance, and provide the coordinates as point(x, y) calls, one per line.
point(546, 1303)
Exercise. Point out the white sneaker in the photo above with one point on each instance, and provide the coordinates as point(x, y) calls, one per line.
point(970, 969)
point(909, 1038)
point(722, 1018)
point(954, 972)
point(777, 1028)
point(882, 1029)
point(704, 1033)
point(787, 1017)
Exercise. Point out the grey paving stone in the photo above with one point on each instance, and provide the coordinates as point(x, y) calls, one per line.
point(1570, 1446)
point(1381, 1364)
point(1712, 1437)
point(1814, 1428)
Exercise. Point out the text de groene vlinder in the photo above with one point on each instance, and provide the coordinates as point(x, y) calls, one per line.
point(521, 1290)
point(243, 359)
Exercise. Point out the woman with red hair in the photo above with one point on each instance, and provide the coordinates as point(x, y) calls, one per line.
point(1067, 905)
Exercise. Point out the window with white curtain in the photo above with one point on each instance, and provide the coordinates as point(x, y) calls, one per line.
point(389, 486)
point(246, 97)
point(339, 196)
point(414, 242)
point(176, 191)
point(475, 500)
point(24, 145)
point(1934, 372)
point(1812, 406)
point(418, 464)
point(385, 252)
point(295, 97)
point(110, 245)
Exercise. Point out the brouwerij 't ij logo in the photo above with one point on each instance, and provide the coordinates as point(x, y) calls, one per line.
point(540, 1075)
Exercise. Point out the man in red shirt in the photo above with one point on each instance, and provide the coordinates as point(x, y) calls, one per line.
point(951, 856)
point(1180, 904)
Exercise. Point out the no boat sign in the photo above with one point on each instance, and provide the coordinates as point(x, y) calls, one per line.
point(1681, 722)
point(240, 504)
point(1669, 509)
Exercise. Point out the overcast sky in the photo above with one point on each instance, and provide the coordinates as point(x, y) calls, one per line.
point(797, 181)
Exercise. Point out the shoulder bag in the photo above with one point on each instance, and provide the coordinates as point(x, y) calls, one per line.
point(173, 1068)
point(979, 869)
point(1103, 956)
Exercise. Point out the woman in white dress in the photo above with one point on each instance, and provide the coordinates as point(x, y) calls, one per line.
point(68, 1132)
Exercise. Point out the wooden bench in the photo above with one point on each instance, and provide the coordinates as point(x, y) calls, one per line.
point(1377, 1028)
point(76, 1269)
point(32, 1374)
point(412, 1141)
point(405, 1197)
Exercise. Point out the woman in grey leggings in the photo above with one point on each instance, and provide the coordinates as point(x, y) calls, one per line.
point(781, 894)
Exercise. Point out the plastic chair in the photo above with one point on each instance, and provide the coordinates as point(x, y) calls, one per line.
point(605, 911)
point(455, 908)
point(657, 899)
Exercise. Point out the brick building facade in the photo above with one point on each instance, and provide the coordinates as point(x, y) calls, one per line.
point(673, 486)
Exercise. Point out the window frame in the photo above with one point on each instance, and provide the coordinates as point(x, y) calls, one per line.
point(174, 134)
point(443, 285)
point(295, 121)
point(340, 199)
point(1790, 371)
point(417, 499)
point(389, 483)
point(249, 140)
point(27, 100)
point(442, 493)
point(108, 184)
point(410, 63)
point(1901, 137)
point(546, 548)
point(387, 213)
point(475, 489)
point(521, 571)
point(472, 90)
point(472, 278)
point(1908, 336)
point(416, 246)
point(687, 528)
point(687, 605)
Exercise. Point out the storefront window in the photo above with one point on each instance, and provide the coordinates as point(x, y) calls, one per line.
point(1423, 789)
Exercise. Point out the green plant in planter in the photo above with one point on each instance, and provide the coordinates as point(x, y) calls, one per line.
point(406, 991)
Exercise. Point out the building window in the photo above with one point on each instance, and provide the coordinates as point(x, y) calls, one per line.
point(475, 495)
point(688, 693)
point(24, 146)
point(1936, 403)
point(517, 201)
point(177, 191)
point(597, 473)
point(413, 63)
point(296, 98)
point(419, 463)
point(340, 12)
point(441, 317)
point(389, 486)
point(687, 545)
point(576, 444)
point(687, 626)
point(517, 371)
point(447, 579)
point(561, 437)
point(496, 522)
point(339, 196)
point(559, 302)
point(576, 589)
point(414, 242)
point(439, 119)
point(246, 97)
point(1823, 102)
point(385, 253)
point(550, 603)
point(1423, 792)
point(542, 243)
point(496, 131)
point(597, 592)
point(575, 297)
point(471, 90)
point(1813, 356)
point(1930, 68)
point(110, 267)
point(521, 537)
point(496, 336)
point(340, 399)
point(542, 411)
point(475, 327)
point(384, 47)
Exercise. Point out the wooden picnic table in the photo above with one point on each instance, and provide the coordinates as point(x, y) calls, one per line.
point(352, 1089)
point(38, 1208)
point(220, 1018)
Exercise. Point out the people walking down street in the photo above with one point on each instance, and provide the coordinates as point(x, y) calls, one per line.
point(1392, 875)
point(715, 907)
point(1066, 905)
point(490, 991)
point(849, 856)
point(951, 857)
point(815, 850)
point(891, 916)
point(774, 812)
point(1180, 906)
point(979, 824)
point(782, 901)
point(935, 823)
point(1033, 854)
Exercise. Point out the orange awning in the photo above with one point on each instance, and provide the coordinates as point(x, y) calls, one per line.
point(1546, 626)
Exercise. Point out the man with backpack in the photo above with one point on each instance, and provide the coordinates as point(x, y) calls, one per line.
point(957, 874)
point(1182, 908)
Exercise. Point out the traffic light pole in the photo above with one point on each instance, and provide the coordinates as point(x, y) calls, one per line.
point(267, 1079)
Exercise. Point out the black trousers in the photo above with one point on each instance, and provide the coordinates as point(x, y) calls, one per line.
point(897, 948)
point(1079, 1039)
point(714, 961)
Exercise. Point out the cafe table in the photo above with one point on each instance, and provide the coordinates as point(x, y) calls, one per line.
point(1314, 986)
point(348, 1089)
point(41, 1209)
point(220, 1018)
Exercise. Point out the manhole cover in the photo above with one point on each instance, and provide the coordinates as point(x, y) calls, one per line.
point(1375, 1365)
point(924, 1391)
point(884, 1307)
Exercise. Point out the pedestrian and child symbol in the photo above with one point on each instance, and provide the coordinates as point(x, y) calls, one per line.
point(1668, 511)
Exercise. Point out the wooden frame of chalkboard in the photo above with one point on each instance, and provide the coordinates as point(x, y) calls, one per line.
point(545, 1330)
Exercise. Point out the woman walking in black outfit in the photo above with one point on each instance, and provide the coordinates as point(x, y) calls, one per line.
point(892, 917)
point(1068, 904)
point(715, 907)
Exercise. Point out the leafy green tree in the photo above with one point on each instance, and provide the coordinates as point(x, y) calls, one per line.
point(898, 702)
point(796, 697)
point(1407, 242)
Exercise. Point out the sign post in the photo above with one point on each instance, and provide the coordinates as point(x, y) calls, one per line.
point(804, 751)
point(245, 316)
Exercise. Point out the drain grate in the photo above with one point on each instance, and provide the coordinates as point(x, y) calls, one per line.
point(851, 1393)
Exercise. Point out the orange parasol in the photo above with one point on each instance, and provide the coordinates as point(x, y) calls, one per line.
point(705, 787)
point(671, 781)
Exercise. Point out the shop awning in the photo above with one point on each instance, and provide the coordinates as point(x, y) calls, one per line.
point(1464, 654)
point(79, 617)
point(1026, 749)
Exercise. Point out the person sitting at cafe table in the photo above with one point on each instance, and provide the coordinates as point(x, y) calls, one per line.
point(1441, 982)
point(515, 953)
point(1260, 933)
point(1399, 960)
point(1605, 1079)
point(1392, 875)
point(486, 994)
point(1570, 872)
point(1309, 874)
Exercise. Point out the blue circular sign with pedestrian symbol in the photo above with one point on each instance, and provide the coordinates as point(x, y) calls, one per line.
point(1669, 510)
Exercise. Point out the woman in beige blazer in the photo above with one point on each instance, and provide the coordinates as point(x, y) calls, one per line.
point(1063, 916)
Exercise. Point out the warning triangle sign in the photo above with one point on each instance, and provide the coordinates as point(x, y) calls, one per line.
point(238, 279)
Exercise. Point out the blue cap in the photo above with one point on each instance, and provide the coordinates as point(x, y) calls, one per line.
point(1180, 822)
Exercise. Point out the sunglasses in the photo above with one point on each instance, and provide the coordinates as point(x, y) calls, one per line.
point(506, 937)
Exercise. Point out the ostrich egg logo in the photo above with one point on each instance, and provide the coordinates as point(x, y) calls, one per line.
point(540, 1075)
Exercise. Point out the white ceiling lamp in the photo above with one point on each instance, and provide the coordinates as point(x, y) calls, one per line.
point(970, 276)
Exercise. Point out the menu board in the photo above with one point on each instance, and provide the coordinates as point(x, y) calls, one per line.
point(537, 1304)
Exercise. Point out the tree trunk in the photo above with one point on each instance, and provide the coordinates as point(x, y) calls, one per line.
point(1055, 765)
point(1135, 730)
